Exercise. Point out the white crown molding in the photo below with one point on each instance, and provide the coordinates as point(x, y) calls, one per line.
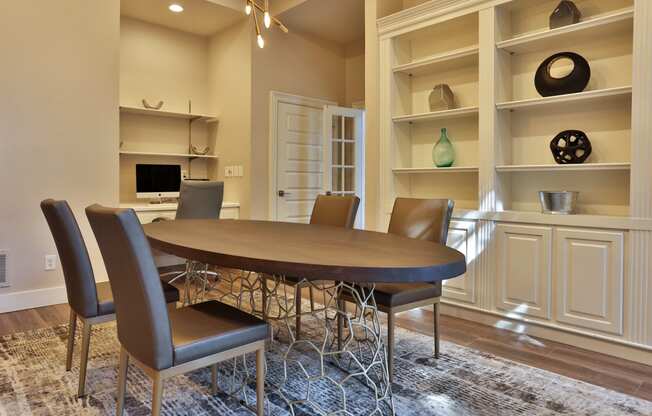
point(424, 14)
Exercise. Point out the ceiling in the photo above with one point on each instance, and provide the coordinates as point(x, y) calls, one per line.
point(340, 21)
point(200, 17)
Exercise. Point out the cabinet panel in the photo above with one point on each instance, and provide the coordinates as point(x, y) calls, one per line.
point(589, 279)
point(523, 269)
point(461, 237)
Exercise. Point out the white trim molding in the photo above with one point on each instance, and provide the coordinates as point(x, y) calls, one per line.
point(16, 301)
point(275, 98)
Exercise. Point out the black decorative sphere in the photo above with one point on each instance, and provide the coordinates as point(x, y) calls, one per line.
point(570, 146)
point(576, 81)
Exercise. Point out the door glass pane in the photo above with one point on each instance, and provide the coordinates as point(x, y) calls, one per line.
point(349, 179)
point(349, 154)
point(337, 152)
point(349, 128)
point(337, 179)
point(337, 127)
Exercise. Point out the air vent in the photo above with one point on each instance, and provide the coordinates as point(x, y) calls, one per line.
point(4, 281)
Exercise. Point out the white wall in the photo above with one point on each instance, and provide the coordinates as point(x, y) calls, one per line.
point(230, 100)
point(354, 72)
point(58, 128)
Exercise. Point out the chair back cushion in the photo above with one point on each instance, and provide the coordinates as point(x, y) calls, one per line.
point(143, 322)
point(200, 200)
point(338, 211)
point(76, 264)
point(423, 219)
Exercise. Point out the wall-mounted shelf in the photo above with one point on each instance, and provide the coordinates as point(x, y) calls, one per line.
point(171, 114)
point(162, 154)
point(585, 96)
point(564, 168)
point(436, 170)
point(590, 29)
point(440, 62)
point(437, 115)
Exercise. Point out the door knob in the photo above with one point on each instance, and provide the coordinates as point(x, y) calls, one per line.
point(283, 193)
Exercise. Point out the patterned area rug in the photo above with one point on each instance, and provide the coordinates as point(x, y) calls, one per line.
point(462, 382)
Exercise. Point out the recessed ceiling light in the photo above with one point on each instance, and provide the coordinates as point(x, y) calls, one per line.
point(176, 8)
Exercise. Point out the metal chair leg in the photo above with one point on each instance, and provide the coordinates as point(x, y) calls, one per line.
point(297, 300)
point(72, 327)
point(83, 363)
point(122, 381)
point(260, 382)
point(214, 379)
point(157, 395)
point(341, 306)
point(390, 346)
point(436, 333)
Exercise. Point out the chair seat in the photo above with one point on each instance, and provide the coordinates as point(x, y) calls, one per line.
point(211, 327)
point(391, 295)
point(105, 304)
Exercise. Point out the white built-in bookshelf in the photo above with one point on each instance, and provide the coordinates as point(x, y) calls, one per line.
point(580, 274)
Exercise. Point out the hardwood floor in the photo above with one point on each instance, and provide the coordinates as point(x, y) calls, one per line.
point(599, 369)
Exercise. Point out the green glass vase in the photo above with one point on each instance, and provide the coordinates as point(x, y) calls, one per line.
point(443, 153)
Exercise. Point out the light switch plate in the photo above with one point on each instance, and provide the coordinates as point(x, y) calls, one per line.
point(228, 171)
point(51, 262)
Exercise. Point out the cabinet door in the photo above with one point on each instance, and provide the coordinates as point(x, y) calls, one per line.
point(523, 269)
point(589, 279)
point(461, 237)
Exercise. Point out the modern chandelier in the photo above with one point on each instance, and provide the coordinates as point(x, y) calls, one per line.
point(252, 8)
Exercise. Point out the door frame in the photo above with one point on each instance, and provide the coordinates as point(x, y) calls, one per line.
point(276, 98)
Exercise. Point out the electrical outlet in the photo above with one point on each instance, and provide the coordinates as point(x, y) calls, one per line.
point(51, 262)
point(184, 174)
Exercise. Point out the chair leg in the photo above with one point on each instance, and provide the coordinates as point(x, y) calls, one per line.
point(72, 327)
point(83, 363)
point(157, 395)
point(122, 381)
point(297, 299)
point(436, 333)
point(312, 299)
point(341, 306)
point(214, 379)
point(390, 346)
point(263, 287)
point(260, 382)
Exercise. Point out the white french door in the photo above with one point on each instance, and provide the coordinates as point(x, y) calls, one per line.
point(344, 154)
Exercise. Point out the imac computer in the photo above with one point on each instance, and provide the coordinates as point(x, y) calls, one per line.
point(158, 181)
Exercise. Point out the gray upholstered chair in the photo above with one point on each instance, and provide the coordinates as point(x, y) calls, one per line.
point(197, 200)
point(91, 302)
point(423, 219)
point(336, 211)
point(167, 343)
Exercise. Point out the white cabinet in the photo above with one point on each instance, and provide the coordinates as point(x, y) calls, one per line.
point(461, 237)
point(148, 212)
point(589, 279)
point(523, 270)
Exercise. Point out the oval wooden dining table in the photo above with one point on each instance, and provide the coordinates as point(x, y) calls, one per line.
point(352, 260)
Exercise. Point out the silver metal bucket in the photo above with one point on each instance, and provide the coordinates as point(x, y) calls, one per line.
point(562, 202)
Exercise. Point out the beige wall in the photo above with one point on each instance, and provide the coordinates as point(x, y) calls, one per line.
point(157, 63)
point(292, 63)
point(59, 128)
point(354, 72)
point(230, 99)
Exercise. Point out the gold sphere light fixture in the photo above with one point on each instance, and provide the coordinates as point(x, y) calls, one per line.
point(253, 9)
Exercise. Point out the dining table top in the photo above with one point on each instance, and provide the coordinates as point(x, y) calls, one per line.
point(313, 252)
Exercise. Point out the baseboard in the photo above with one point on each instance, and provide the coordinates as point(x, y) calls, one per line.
point(615, 347)
point(28, 299)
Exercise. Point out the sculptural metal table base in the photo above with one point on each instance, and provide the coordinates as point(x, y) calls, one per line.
point(342, 375)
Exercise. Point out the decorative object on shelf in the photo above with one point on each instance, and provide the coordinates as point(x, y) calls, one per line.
point(575, 81)
point(252, 8)
point(152, 107)
point(570, 146)
point(443, 153)
point(558, 202)
point(441, 98)
point(196, 151)
point(566, 13)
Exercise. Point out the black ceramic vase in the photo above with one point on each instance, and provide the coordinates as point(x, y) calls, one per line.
point(570, 146)
point(575, 81)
